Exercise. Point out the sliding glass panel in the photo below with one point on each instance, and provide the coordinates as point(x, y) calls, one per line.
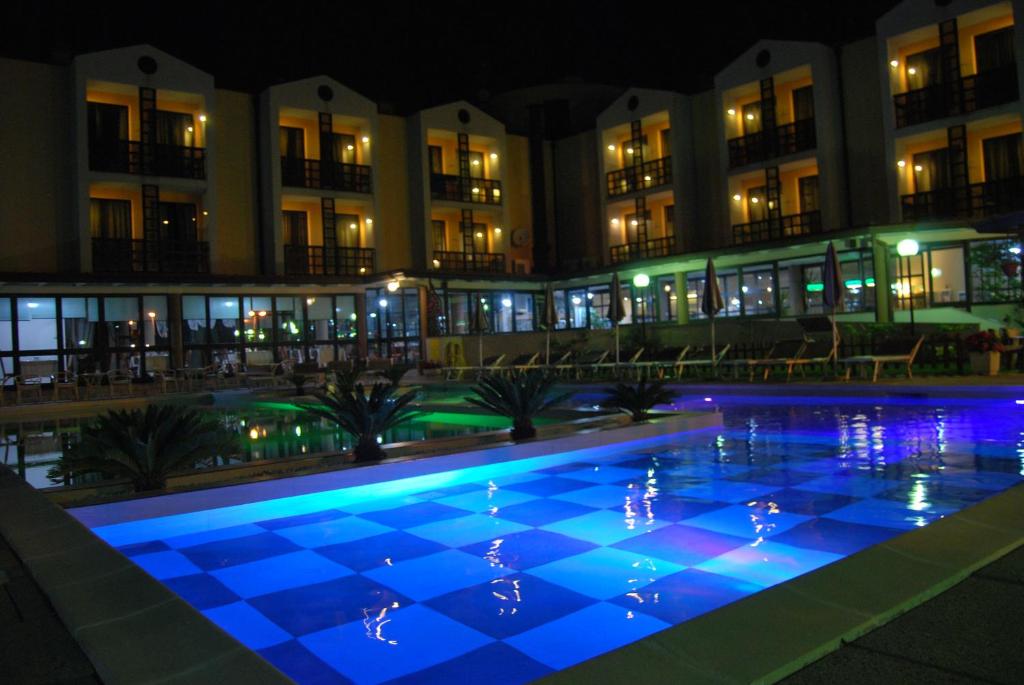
point(524, 311)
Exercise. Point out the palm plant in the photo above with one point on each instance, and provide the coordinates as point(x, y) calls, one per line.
point(638, 400)
point(365, 416)
point(521, 396)
point(145, 446)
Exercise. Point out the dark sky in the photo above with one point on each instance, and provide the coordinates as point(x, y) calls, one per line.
point(414, 54)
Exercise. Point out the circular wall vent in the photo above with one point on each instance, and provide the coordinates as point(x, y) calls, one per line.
point(147, 65)
point(763, 58)
point(464, 116)
point(325, 93)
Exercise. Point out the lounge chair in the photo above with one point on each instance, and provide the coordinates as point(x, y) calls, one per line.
point(585, 361)
point(780, 354)
point(815, 353)
point(896, 352)
point(524, 361)
point(489, 364)
point(702, 358)
point(628, 360)
point(661, 362)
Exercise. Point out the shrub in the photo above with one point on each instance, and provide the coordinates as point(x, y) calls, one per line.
point(521, 396)
point(983, 341)
point(638, 400)
point(365, 416)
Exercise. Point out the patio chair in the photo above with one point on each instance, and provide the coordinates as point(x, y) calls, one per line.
point(778, 354)
point(894, 352)
point(628, 362)
point(67, 382)
point(524, 361)
point(815, 353)
point(702, 358)
point(24, 388)
point(588, 361)
point(661, 362)
point(119, 379)
point(490, 364)
point(167, 382)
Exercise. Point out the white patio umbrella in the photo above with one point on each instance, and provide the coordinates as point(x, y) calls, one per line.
point(832, 295)
point(615, 311)
point(481, 325)
point(549, 318)
point(711, 303)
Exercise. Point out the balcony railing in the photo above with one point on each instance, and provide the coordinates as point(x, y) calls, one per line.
point(656, 247)
point(963, 96)
point(485, 191)
point(476, 262)
point(123, 255)
point(128, 157)
point(650, 174)
point(318, 174)
point(317, 260)
point(977, 200)
point(786, 139)
point(789, 226)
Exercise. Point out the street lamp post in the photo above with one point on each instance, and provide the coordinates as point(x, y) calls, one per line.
point(906, 249)
point(641, 281)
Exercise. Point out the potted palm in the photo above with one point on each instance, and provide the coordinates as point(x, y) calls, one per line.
point(520, 396)
point(638, 400)
point(366, 416)
point(145, 446)
point(984, 350)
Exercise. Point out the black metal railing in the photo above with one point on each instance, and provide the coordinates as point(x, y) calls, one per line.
point(124, 255)
point(962, 96)
point(786, 139)
point(127, 157)
point(477, 262)
point(976, 200)
point(805, 223)
point(317, 260)
point(315, 173)
point(465, 189)
point(655, 247)
point(650, 174)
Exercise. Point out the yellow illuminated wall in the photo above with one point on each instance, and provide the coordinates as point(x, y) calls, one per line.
point(236, 245)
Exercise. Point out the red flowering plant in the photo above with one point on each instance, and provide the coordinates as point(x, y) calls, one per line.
point(983, 341)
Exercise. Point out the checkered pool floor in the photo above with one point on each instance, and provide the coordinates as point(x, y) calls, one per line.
point(516, 571)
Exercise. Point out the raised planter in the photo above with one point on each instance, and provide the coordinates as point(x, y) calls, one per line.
point(985, 363)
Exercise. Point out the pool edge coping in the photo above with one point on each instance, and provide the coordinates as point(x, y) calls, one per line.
point(777, 631)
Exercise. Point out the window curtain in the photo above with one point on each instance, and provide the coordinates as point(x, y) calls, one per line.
point(436, 159)
point(347, 236)
point(344, 148)
point(808, 194)
point(178, 222)
point(107, 123)
point(295, 227)
point(634, 233)
point(476, 164)
point(293, 142)
point(751, 113)
point(994, 49)
point(172, 128)
point(923, 69)
point(757, 211)
point(666, 142)
point(438, 228)
point(110, 218)
point(480, 238)
point(1003, 157)
point(803, 103)
point(934, 173)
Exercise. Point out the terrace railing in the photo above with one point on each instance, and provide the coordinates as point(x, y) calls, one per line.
point(963, 96)
point(977, 200)
point(122, 255)
point(650, 174)
point(786, 139)
point(485, 191)
point(656, 247)
point(130, 157)
point(317, 260)
point(298, 172)
point(469, 262)
point(805, 223)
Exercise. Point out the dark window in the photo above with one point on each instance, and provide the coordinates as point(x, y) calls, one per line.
point(808, 194)
point(666, 142)
point(295, 227)
point(931, 170)
point(344, 148)
point(107, 123)
point(293, 142)
point(670, 220)
point(480, 238)
point(439, 235)
point(751, 117)
point(923, 69)
point(178, 222)
point(347, 226)
point(1004, 157)
point(476, 164)
point(803, 103)
point(757, 206)
point(994, 49)
point(436, 159)
point(174, 128)
point(110, 218)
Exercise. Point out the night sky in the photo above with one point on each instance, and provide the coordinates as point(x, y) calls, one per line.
point(410, 55)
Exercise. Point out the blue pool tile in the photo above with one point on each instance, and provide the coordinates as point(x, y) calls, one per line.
point(163, 565)
point(224, 553)
point(606, 474)
point(682, 544)
point(466, 530)
point(562, 468)
point(449, 491)
point(850, 483)
point(407, 640)
point(379, 504)
point(605, 527)
point(379, 550)
point(214, 535)
point(749, 522)
point(838, 537)
point(808, 502)
point(247, 625)
point(279, 573)
point(704, 469)
point(301, 665)
point(479, 666)
point(673, 508)
point(882, 512)
point(302, 519)
point(437, 574)
point(545, 487)
point(768, 563)
point(485, 499)
point(585, 634)
point(414, 514)
point(685, 595)
point(511, 605)
point(510, 479)
point(605, 572)
point(725, 491)
point(143, 548)
point(599, 496)
point(656, 462)
point(935, 493)
point(541, 511)
point(201, 590)
point(313, 535)
point(981, 480)
point(775, 477)
point(310, 608)
point(527, 549)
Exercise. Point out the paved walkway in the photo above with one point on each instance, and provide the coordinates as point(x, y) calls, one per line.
point(972, 633)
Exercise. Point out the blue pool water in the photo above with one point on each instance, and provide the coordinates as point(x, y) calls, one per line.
point(510, 571)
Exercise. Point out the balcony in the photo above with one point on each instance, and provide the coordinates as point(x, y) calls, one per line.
point(656, 247)
point(651, 174)
point(963, 96)
point(320, 175)
point(469, 262)
point(977, 200)
point(486, 191)
point(317, 260)
point(123, 255)
point(805, 223)
point(786, 139)
point(131, 157)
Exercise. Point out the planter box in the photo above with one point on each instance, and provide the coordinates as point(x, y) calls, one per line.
point(985, 363)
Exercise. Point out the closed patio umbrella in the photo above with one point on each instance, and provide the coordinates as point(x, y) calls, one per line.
point(615, 311)
point(832, 295)
point(481, 325)
point(711, 303)
point(549, 319)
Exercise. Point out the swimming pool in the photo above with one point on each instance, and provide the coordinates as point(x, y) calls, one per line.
point(520, 568)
